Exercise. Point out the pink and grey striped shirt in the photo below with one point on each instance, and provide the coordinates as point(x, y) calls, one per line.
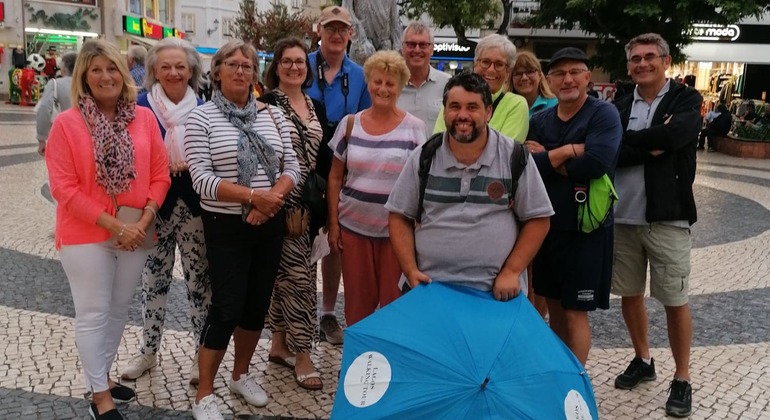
point(373, 165)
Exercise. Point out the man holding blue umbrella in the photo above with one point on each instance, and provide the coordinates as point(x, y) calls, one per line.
point(467, 231)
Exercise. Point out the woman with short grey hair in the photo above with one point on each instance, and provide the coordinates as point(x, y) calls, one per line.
point(55, 94)
point(173, 70)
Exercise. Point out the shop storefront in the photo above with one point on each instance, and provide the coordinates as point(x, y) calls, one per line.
point(451, 57)
point(136, 30)
point(53, 28)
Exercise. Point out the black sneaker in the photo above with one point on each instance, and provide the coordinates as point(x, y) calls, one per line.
point(113, 414)
point(679, 402)
point(636, 373)
point(122, 394)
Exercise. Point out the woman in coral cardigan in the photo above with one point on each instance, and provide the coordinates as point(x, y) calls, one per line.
point(108, 153)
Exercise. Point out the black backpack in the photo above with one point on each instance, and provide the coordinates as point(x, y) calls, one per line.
point(519, 158)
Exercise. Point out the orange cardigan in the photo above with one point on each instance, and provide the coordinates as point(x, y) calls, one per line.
point(72, 175)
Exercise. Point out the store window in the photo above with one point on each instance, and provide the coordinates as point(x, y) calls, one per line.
point(135, 7)
point(149, 9)
point(188, 23)
point(163, 10)
point(227, 24)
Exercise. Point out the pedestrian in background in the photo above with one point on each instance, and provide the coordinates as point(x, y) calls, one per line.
point(243, 166)
point(135, 59)
point(109, 154)
point(365, 167)
point(173, 71)
point(56, 96)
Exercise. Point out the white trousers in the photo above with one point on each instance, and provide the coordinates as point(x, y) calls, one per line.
point(102, 281)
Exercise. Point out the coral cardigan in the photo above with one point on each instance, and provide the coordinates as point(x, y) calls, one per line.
point(72, 175)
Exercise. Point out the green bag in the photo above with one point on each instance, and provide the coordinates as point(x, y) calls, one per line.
point(594, 210)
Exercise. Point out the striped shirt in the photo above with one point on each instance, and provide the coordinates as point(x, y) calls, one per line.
point(373, 164)
point(211, 148)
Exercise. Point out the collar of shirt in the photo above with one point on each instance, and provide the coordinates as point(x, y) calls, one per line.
point(448, 160)
point(345, 68)
point(661, 92)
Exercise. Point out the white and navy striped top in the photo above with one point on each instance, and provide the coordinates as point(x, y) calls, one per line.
point(211, 148)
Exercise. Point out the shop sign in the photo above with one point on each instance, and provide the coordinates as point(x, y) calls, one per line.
point(151, 30)
point(711, 32)
point(143, 28)
point(132, 25)
point(2, 12)
point(453, 50)
point(85, 2)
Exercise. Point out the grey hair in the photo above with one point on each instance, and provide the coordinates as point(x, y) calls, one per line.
point(650, 38)
point(137, 53)
point(68, 62)
point(228, 50)
point(193, 60)
point(417, 27)
point(500, 42)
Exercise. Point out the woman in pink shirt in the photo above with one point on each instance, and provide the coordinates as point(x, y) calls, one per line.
point(104, 153)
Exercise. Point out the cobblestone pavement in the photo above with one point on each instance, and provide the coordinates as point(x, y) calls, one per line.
point(730, 286)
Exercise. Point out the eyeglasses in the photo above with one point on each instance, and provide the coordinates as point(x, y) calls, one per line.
point(486, 63)
point(412, 45)
point(561, 74)
point(647, 57)
point(287, 63)
point(520, 74)
point(233, 67)
point(331, 30)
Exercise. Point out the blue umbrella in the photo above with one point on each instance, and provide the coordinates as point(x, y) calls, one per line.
point(447, 352)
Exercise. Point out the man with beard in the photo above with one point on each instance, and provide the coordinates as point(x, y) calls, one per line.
point(422, 94)
point(572, 143)
point(470, 232)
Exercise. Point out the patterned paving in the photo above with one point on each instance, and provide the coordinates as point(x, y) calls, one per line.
point(730, 284)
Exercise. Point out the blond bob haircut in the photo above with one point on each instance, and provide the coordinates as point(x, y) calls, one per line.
point(525, 60)
point(389, 62)
point(99, 48)
point(228, 50)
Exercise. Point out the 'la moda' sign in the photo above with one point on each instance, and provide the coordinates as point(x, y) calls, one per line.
point(711, 32)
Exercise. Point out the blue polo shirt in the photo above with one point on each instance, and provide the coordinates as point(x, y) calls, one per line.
point(332, 96)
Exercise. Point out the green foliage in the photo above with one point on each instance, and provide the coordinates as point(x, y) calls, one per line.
point(76, 21)
point(616, 22)
point(460, 14)
point(264, 29)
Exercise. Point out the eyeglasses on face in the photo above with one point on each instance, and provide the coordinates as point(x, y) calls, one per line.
point(561, 74)
point(521, 73)
point(331, 30)
point(647, 57)
point(287, 63)
point(233, 66)
point(422, 45)
point(485, 63)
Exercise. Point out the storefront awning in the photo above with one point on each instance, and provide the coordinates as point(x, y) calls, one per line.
point(727, 53)
point(146, 41)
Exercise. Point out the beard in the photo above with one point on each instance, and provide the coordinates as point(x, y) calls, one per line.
point(464, 138)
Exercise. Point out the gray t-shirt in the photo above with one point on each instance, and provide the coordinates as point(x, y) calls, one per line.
point(425, 101)
point(467, 229)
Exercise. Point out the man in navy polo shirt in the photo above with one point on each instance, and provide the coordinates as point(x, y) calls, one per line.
point(339, 84)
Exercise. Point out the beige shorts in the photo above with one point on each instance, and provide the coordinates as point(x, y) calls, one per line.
point(667, 250)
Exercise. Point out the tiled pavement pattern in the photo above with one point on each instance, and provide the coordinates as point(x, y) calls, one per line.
point(730, 284)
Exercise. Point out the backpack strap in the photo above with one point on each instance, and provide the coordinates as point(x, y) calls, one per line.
point(519, 159)
point(427, 153)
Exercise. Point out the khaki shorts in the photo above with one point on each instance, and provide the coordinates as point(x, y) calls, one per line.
point(666, 248)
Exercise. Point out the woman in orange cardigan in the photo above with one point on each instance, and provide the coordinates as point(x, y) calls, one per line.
point(102, 153)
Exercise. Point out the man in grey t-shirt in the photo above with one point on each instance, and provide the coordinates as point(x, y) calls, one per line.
point(469, 234)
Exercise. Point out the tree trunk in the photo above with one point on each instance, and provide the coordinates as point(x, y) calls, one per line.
point(503, 28)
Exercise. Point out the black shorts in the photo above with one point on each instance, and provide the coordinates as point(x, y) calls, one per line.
point(575, 268)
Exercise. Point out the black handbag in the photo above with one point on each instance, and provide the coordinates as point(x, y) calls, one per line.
point(314, 191)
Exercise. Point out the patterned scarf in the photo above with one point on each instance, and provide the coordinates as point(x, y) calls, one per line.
point(253, 149)
point(113, 147)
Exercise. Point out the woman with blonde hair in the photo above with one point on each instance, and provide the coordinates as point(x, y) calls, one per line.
point(364, 169)
point(109, 174)
point(528, 80)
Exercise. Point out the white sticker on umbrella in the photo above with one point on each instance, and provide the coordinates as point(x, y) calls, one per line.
point(575, 407)
point(367, 379)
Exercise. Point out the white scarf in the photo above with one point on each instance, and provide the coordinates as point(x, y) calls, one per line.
point(173, 118)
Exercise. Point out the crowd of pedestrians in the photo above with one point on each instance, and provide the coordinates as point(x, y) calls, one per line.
point(335, 151)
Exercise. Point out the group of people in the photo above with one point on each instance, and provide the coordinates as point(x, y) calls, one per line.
point(229, 183)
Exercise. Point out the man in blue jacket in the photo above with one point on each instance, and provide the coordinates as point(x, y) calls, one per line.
point(656, 169)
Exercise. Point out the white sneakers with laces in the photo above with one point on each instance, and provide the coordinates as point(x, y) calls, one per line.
point(207, 409)
point(138, 365)
point(250, 390)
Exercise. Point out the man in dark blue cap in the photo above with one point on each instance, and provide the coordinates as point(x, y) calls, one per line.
point(572, 143)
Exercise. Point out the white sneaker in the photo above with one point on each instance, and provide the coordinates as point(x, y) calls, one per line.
point(194, 372)
point(140, 364)
point(250, 390)
point(207, 409)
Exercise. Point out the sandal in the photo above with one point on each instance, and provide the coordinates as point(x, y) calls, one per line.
point(304, 381)
point(285, 362)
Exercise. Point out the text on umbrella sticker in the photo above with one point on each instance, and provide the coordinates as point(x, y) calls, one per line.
point(367, 379)
point(575, 407)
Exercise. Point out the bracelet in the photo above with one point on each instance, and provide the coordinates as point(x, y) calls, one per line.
point(122, 229)
point(573, 150)
point(152, 210)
